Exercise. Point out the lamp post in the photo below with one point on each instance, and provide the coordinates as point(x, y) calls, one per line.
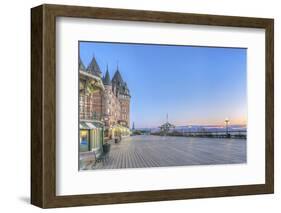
point(226, 121)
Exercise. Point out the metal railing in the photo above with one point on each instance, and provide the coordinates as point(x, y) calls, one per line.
point(206, 133)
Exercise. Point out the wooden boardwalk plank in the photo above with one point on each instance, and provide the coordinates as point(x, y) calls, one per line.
point(157, 151)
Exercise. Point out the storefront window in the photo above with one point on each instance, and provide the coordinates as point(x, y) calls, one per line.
point(84, 141)
point(96, 138)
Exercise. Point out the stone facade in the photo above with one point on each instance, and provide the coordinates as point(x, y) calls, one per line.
point(109, 99)
point(116, 100)
point(91, 124)
point(91, 91)
point(91, 105)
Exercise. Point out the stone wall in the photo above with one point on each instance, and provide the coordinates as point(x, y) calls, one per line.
point(90, 105)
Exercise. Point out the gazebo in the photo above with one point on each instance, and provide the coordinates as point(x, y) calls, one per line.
point(165, 128)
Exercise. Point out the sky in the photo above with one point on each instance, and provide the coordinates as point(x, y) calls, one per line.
point(193, 85)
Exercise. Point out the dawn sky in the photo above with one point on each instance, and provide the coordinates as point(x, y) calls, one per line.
point(194, 85)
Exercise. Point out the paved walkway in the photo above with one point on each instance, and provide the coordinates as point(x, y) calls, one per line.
point(156, 151)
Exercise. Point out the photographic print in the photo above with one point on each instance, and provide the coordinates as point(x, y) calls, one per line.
point(179, 98)
point(151, 105)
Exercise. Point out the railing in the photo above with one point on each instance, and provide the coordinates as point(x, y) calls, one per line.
point(210, 133)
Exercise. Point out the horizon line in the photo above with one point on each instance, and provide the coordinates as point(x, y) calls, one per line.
point(215, 125)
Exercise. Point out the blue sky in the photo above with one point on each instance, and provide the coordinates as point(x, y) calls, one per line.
point(194, 85)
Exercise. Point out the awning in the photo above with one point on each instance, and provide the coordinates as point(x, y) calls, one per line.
point(118, 126)
point(83, 125)
point(90, 125)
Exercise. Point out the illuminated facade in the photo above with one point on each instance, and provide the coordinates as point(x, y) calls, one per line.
point(103, 101)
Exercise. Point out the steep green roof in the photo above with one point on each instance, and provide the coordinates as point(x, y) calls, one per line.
point(94, 68)
point(106, 79)
point(117, 78)
point(120, 84)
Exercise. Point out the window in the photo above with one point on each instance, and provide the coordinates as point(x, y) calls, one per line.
point(84, 141)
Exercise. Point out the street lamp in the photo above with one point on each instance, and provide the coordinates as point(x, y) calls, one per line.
point(226, 121)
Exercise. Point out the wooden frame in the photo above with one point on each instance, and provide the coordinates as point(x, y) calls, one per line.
point(43, 105)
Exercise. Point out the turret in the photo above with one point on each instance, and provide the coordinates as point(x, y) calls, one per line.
point(106, 79)
point(94, 68)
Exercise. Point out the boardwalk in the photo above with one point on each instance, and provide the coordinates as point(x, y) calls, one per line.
point(156, 151)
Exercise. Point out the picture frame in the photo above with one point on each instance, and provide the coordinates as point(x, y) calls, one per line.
point(43, 105)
